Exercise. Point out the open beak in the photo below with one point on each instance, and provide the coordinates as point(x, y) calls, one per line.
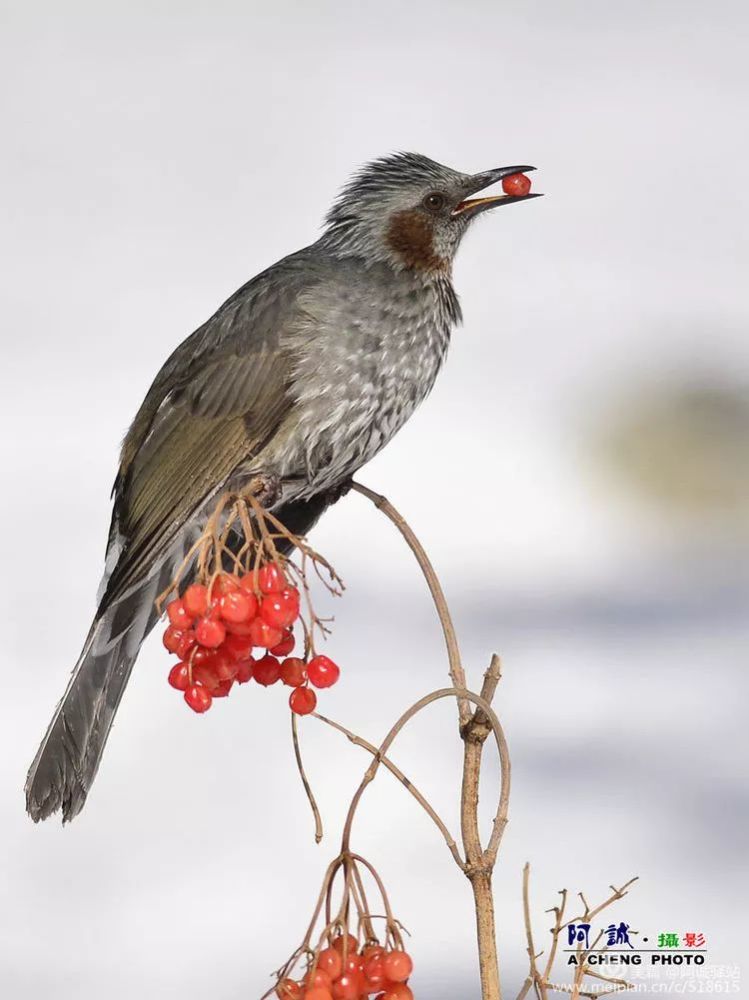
point(472, 206)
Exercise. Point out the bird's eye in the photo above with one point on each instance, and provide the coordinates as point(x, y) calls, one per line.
point(435, 201)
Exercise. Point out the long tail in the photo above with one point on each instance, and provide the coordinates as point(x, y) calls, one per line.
point(67, 760)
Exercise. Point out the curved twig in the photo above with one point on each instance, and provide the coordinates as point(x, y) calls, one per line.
point(406, 782)
point(457, 674)
point(496, 729)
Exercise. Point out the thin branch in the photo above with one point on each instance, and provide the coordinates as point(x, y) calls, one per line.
point(422, 703)
point(406, 782)
point(305, 782)
point(533, 975)
point(457, 674)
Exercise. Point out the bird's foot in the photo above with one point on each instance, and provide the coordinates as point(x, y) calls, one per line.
point(266, 488)
point(335, 493)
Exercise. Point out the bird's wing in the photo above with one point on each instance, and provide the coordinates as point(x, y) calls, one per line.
point(218, 400)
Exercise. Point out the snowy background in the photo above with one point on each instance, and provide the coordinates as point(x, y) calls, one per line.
point(589, 429)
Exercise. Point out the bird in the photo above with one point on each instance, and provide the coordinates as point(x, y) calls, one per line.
point(297, 381)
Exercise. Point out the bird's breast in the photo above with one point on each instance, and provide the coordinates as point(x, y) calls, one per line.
point(365, 358)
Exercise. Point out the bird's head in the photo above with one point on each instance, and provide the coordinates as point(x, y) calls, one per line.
point(411, 212)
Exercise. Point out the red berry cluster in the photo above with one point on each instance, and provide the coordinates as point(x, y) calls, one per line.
point(213, 630)
point(346, 972)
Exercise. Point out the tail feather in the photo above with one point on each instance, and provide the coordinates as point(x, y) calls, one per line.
point(66, 763)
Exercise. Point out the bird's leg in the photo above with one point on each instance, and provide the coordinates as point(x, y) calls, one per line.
point(266, 488)
point(337, 492)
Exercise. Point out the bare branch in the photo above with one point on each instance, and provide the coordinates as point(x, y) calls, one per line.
point(457, 674)
point(406, 782)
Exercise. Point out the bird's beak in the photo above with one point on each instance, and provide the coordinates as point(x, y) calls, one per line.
point(472, 206)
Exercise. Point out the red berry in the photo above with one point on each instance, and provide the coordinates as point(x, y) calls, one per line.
point(263, 634)
point(397, 991)
point(318, 993)
point(238, 647)
point(186, 644)
point(179, 676)
point(202, 655)
point(235, 607)
point(347, 987)
point(195, 600)
point(251, 598)
point(322, 672)
point(247, 583)
point(223, 688)
point(210, 633)
point(286, 645)
point(517, 184)
point(346, 942)
point(353, 964)
point(293, 672)
point(318, 978)
point(330, 961)
point(398, 966)
point(178, 614)
point(282, 609)
point(198, 698)
point(224, 583)
point(289, 989)
point(374, 970)
point(245, 670)
point(271, 579)
point(172, 638)
point(242, 629)
point(203, 674)
point(266, 670)
point(223, 665)
point(302, 700)
point(373, 951)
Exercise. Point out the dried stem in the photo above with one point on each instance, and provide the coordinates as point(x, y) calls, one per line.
point(417, 707)
point(305, 782)
point(541, 980)
point(457, 674)
point(406, 782)
point(474, 729)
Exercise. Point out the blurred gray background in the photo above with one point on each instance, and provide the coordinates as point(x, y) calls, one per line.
point(589, 433)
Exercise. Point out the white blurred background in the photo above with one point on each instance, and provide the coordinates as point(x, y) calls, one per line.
point(580, 474)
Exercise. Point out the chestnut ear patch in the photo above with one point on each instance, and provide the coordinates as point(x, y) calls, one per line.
point(411, 235)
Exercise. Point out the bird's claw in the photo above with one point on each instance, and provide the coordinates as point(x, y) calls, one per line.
point(266, 488)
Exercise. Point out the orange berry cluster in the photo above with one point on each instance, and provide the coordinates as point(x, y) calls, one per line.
point(345, 972)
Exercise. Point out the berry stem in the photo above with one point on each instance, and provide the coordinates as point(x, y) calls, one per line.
point(305, 782)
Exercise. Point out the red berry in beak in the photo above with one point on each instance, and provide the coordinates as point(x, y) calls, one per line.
point(516, 184)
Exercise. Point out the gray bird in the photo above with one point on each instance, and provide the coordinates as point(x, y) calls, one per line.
point(300, 378)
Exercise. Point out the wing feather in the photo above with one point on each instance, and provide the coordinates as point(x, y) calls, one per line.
point(216, 403)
